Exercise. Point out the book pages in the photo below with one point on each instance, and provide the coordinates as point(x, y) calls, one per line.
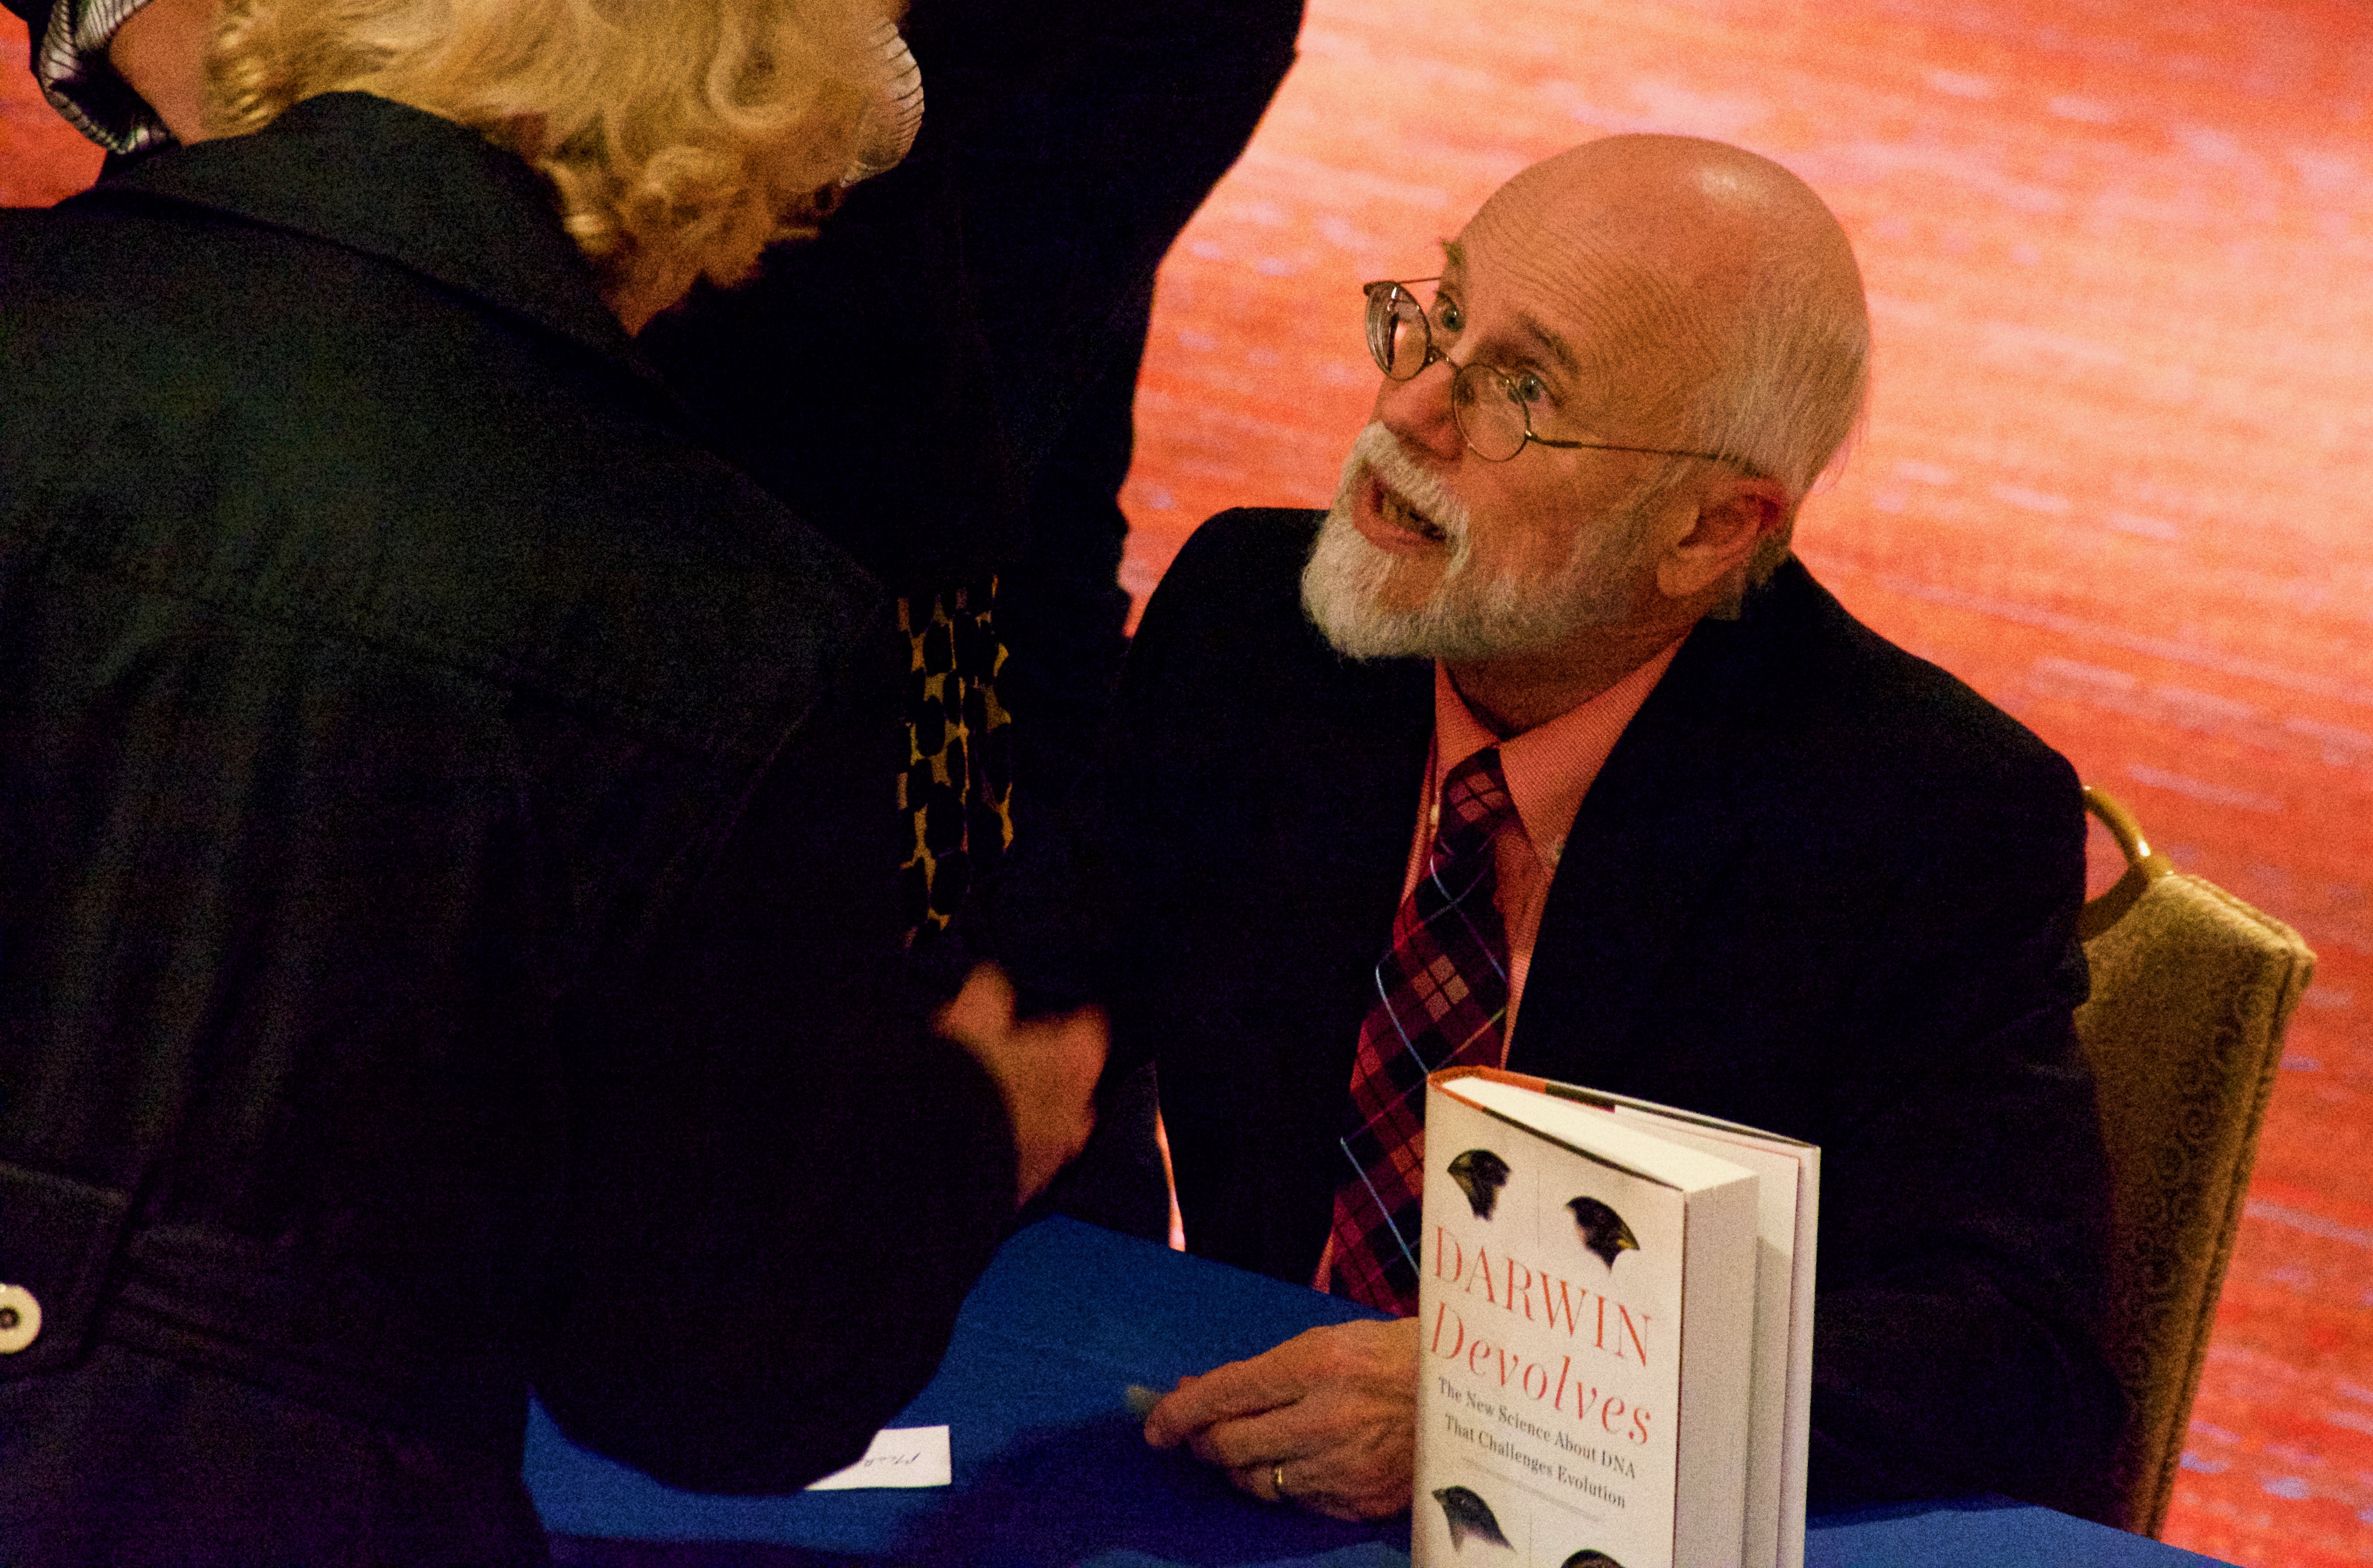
point(1779, 1410)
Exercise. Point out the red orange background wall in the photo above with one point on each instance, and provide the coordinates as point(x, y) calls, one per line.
point(2117, 253)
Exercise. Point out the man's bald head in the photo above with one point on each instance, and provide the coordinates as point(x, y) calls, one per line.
point(1676, 330)
point(1732, 308)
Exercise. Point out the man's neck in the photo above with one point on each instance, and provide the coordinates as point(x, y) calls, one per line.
point(1517, 692)
point(160, 51)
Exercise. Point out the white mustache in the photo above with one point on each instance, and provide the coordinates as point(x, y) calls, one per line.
point(1381, 452)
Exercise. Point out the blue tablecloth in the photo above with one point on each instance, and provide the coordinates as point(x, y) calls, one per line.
point(1051, 1468)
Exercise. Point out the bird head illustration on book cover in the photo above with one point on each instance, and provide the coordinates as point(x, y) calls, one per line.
point(1550, 1296)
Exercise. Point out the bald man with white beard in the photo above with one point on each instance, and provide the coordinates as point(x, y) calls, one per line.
point(1759, 862)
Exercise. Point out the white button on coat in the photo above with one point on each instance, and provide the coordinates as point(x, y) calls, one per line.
point(20, 1319)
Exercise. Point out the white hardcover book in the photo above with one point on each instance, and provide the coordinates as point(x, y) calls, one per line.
point(1614, 1312)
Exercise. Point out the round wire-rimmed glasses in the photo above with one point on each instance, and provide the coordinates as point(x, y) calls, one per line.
point(1487, 401)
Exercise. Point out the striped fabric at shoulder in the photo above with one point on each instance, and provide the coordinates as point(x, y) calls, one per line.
point(70, 62)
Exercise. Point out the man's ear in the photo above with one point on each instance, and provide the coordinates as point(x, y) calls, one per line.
point(1732, 518)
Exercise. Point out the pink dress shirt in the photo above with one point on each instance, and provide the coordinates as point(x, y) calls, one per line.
point(1550, 767)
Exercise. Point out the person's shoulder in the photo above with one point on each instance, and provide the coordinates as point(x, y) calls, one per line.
point(1225, 639)
point(22, 225)
point(1242, 567)
point(1249, 548)
point(1229, 604)
point(77, 249)
point(27, 236)
point(1850, 693)
point(469, 491)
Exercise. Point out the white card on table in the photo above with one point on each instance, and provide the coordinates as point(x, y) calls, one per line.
point(911, 1455)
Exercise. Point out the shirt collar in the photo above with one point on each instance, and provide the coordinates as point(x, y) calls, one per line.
point(1550, 766)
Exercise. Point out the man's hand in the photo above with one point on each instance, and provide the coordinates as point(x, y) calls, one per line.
point(1045, 1069)
point(1333, 1409)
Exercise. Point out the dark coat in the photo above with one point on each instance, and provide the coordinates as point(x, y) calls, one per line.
point(445, 908)
point(1820, 888)
point(944, 381)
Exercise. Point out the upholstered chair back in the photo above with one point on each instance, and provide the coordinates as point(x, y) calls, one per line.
point(2191, 989)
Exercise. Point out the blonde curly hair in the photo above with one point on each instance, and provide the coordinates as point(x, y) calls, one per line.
point(681, 137)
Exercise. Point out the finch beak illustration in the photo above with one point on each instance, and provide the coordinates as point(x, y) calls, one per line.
point(1603, 1230)
point(1480, 1174)
point(1468, 1515)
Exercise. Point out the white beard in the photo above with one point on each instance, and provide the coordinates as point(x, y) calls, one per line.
point(1467, 617)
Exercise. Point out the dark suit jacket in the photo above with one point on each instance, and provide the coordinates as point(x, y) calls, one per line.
point(447, 879)
point(1820, 887)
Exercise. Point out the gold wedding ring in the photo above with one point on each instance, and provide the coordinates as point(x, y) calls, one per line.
point(1277, 1479)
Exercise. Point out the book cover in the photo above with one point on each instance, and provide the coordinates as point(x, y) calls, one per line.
point(1586, 1337)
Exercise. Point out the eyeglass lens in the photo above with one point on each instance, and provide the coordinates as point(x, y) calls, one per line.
point(1487, 411)
point(1400, 338)
point(1398, 335)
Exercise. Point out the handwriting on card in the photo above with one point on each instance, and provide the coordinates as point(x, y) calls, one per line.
point(911, 1455)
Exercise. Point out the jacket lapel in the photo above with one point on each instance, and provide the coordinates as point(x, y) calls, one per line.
point(1657, 827)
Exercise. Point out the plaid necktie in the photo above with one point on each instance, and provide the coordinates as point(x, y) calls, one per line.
point(1441, 994)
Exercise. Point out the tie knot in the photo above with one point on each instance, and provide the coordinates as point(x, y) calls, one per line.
point(1475, 803)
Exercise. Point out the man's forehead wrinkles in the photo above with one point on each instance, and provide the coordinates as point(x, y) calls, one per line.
point(1619, 298)
point(1554, 299)
point(1631, 342)
point(1630, 329)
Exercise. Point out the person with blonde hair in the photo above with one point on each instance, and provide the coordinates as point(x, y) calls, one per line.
point(682, 136)
point(448, 932)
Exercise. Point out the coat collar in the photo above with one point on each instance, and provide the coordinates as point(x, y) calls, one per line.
point(396, 182)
